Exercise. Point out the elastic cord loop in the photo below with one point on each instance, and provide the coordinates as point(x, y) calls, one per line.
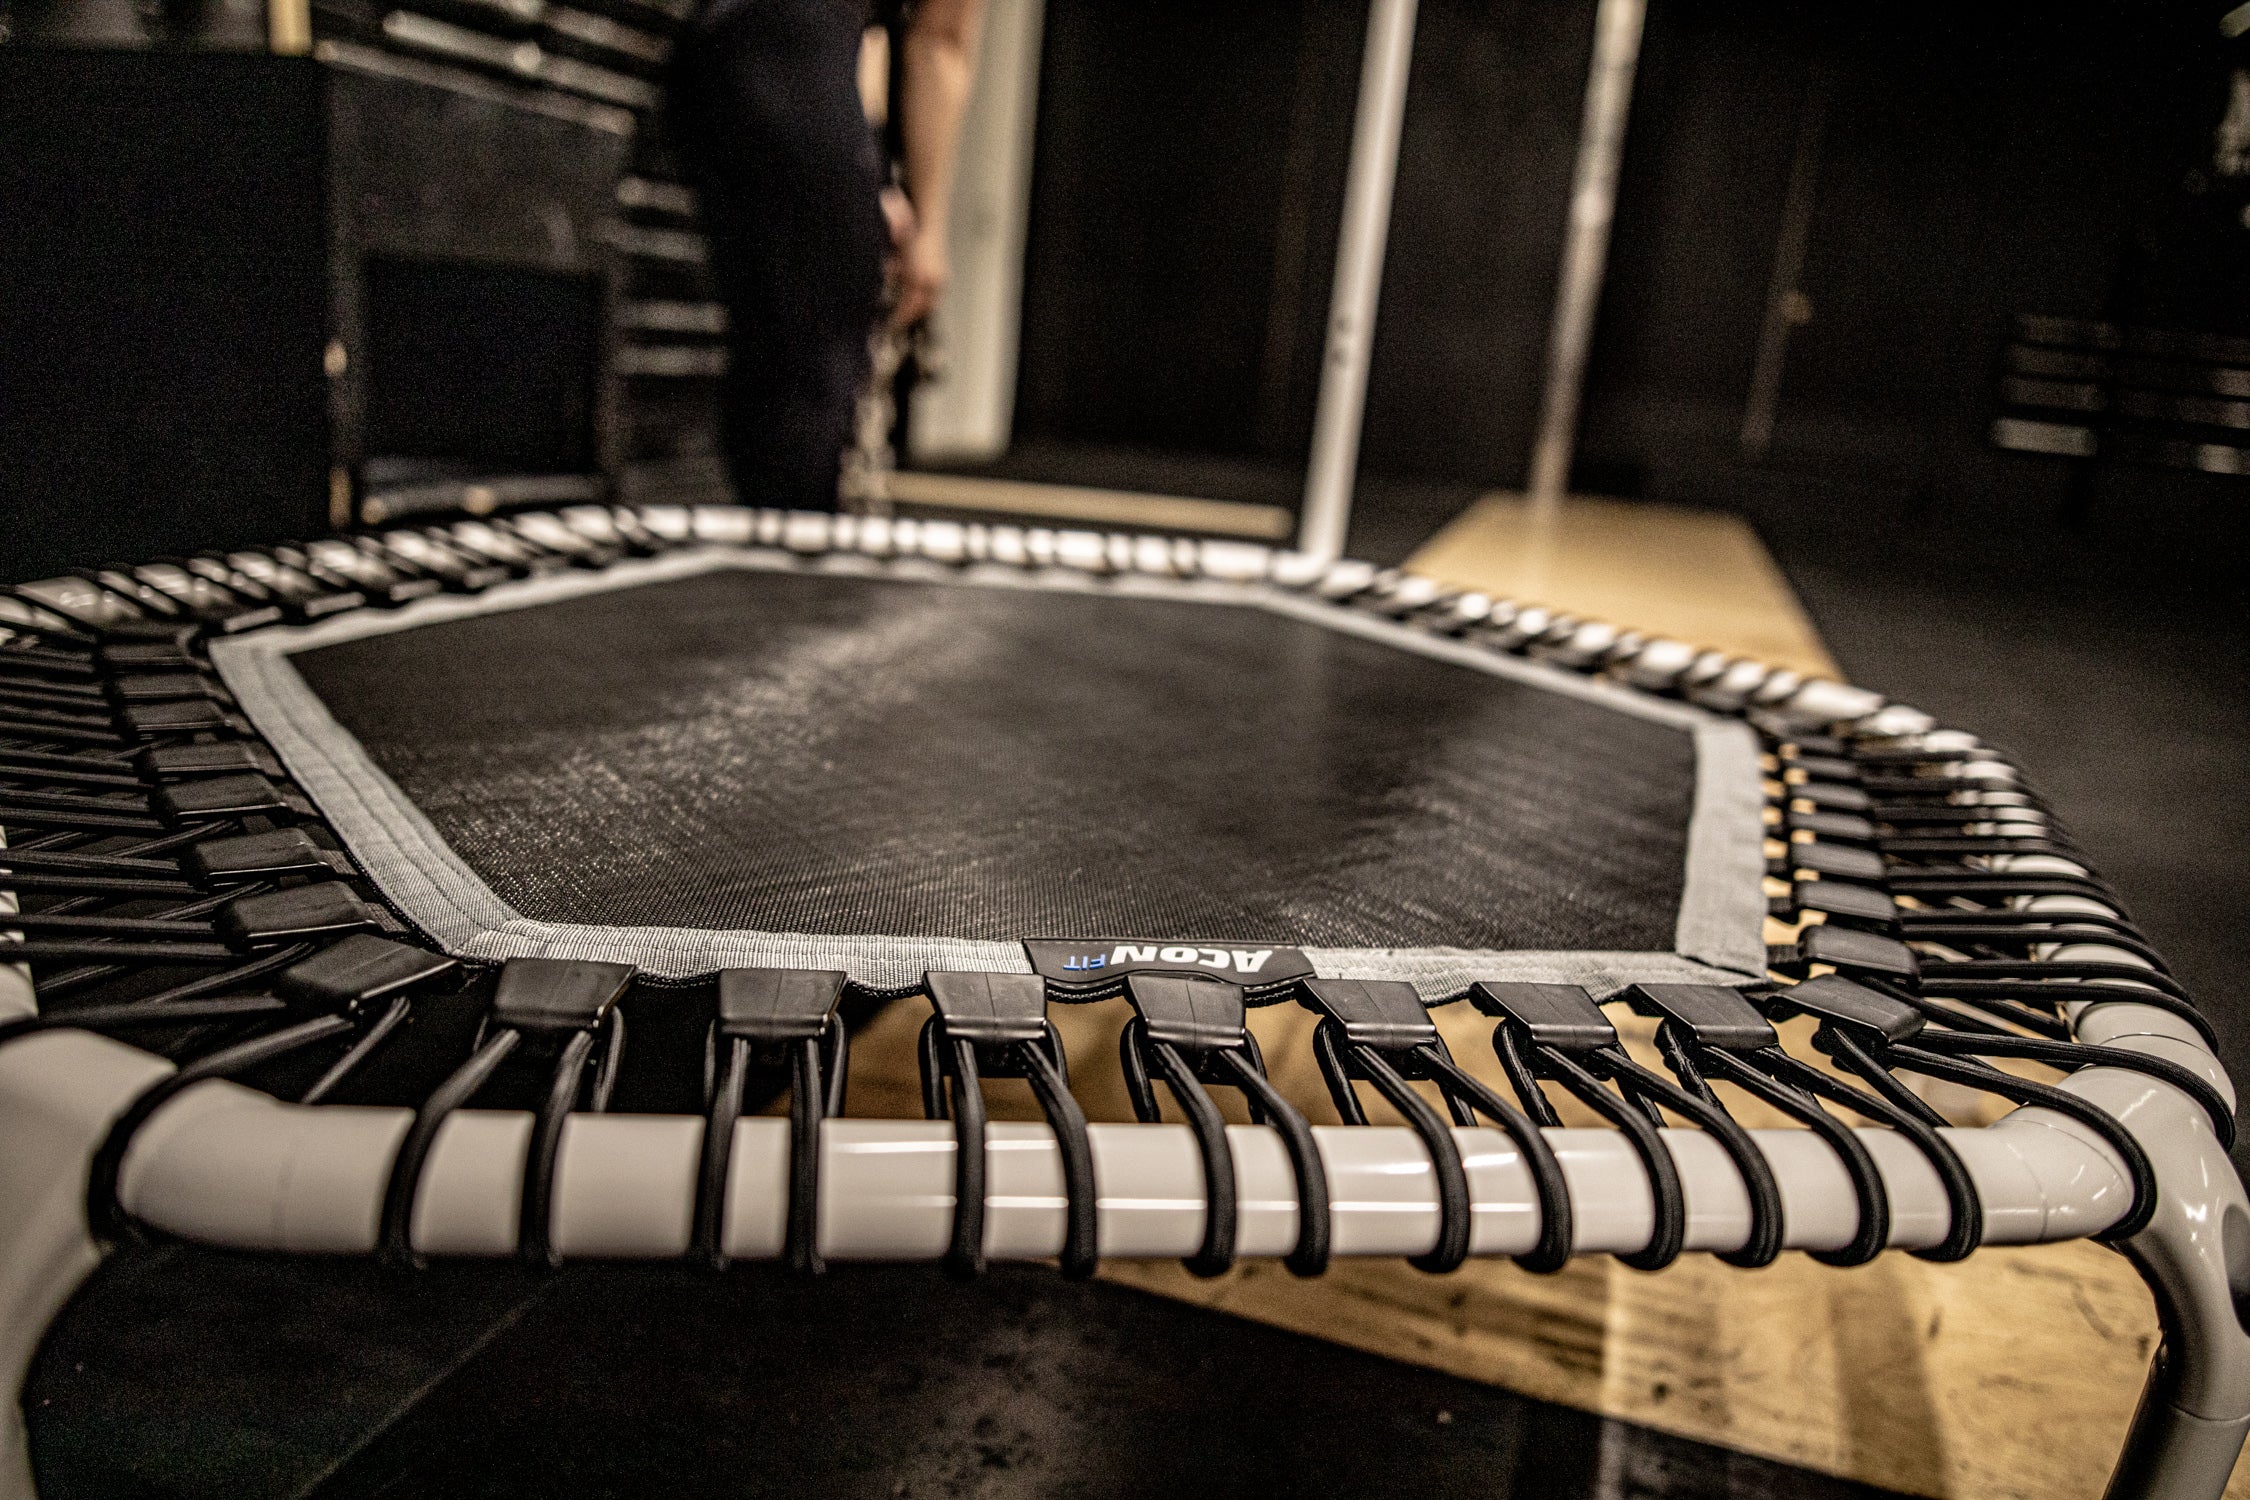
point(359, 1051)
point(964, 1253)
point(1667, 1199)
point(1132, 1062)
point(1328, 1051)
point(1556, 1226)
point(1080, 1253)
point(1764, 1242)
point(267, 963)
point(838, 1041)
point(1937, 975)
point(1515, 1061)
point(1310, 1257)
point(719, 1120)
point(2074, 992)
point(395, 1243)
point(1216, 1253)
point(2138, 1172)
point(1965, 1229)
point(137, 1013)
point(1873, 1232)
point(534, 1226)
point(1840, 1043)
point(1452, 1245)
point(105, 1215)
point(800, 1248)
point(2088, 1055)
point(613, 1056)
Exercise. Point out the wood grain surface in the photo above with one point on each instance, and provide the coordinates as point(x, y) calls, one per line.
point(2010, 1376)
point(1701, 576)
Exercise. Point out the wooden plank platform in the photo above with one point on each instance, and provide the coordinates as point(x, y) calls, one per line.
point(1077, 505)
point(2010, 1376)
point(1699, 575)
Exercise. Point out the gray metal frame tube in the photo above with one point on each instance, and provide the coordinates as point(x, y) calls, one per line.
point(1593, 205)
point(1389, 57)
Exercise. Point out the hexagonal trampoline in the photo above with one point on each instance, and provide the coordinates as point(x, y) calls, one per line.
point(744, 776)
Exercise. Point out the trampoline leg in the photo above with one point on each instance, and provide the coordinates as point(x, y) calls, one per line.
point(2171, 1455)
point(2195, 1257)
point(59, 1091)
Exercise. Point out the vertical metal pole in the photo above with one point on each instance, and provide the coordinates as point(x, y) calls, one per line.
point(1593, 204)
point(1783, 298)
point(1359, 278)
point(289, 27)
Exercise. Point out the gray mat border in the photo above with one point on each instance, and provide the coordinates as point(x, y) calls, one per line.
point(1719, 937)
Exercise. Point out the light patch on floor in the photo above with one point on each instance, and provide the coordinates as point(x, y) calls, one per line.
point(1700, 576)
point(1071, 504)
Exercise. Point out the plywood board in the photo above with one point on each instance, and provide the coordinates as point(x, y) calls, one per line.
point(1697, 575)
point(1076, 505)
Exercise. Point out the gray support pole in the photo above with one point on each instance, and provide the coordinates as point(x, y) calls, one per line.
point(1782, 294)
point(1593, 204)
point(2195, 1256)
point(1359, 278)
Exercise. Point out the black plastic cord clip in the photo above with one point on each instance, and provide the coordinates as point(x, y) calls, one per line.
point(1191, 1032)
point(1708, 1029)
point(1841, 861)
point(1855, 1023)
point(303, 913)
point(772, 1017)
point(210, 798)
point(1843, 902)
point(568, 1000)
point(1379, 1030)
point(1556, 1031)
point(351, 975)
point(1698, 1019)
point(270, 855)
point(999, 1021)
point(1849, 950)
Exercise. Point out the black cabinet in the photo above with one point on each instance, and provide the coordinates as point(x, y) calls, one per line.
point(241, 295)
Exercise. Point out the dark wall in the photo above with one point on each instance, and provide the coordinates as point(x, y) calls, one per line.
point(1970, 163)
point(1967, 163)
point(189, 240)
point(1716, 115)
point(1491, 136)
point(160, 336)
point(1187, 184)
point(1158, 187)
point(480, 366)
point(470, 277)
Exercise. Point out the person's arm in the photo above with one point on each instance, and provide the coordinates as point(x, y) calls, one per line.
point(939, 61)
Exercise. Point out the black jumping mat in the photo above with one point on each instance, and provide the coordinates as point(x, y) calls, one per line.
point(823, 753)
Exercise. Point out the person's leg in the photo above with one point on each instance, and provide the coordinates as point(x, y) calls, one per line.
point(766, 109)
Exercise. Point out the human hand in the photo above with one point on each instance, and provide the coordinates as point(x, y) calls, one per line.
point(918, 265)
point(898, 218)
point(922, 273)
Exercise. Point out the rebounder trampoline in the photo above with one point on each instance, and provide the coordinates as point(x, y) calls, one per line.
point(336, 874)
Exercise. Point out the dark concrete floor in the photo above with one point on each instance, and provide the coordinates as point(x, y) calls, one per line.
point(183, 1373)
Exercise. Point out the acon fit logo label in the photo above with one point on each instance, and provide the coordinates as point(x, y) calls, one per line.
point(1081, 962)
point(1240, 960)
